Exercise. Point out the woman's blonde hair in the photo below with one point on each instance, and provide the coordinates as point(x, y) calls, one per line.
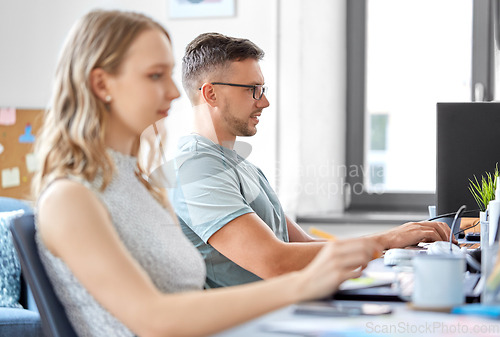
point(71, 141)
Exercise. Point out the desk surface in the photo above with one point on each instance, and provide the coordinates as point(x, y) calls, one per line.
point(402, 322)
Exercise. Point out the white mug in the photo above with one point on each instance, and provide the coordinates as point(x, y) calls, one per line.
point(438, 281)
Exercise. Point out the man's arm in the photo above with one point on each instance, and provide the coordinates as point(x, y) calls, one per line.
point(297, 234)
point(408, 234)
point(250, 243)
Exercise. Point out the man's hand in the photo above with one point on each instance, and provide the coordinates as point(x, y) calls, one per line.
point(412, 233)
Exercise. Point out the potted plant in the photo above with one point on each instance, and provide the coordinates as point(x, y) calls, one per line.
point(484, 191)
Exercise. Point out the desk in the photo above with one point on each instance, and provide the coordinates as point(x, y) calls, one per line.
point(403, 322)
point(254, 327)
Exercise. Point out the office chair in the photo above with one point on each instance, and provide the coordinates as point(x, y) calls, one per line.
point(55, 323)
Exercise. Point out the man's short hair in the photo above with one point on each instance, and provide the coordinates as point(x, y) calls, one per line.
point(210, 53)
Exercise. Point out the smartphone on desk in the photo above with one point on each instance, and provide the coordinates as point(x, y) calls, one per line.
point(333, 308)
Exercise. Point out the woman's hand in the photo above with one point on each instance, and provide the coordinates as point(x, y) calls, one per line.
point(336, 262)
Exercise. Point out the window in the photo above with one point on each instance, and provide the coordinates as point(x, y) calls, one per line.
point(403, 58)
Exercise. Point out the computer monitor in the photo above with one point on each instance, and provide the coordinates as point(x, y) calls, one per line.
point(468, 144)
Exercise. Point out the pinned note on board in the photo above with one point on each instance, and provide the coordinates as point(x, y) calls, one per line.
point(1, 148)
point(11, 177)
point(31, 162)
point(7, 116)
point(27, 137)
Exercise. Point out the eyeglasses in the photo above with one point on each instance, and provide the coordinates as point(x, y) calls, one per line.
point(258, 90)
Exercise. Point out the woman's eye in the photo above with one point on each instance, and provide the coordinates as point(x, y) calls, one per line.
point(156, 76)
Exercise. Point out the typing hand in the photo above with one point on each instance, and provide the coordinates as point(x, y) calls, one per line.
point(336, 262)
point(412, 233)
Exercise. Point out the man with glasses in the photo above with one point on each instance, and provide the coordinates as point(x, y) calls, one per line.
point(225, 204)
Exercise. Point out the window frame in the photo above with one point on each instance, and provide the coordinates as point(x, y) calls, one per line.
point(482, 72)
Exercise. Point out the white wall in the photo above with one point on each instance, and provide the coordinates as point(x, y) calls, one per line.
point(262, 32)
point(312, 105)
point(304, 45)
point(32, 33)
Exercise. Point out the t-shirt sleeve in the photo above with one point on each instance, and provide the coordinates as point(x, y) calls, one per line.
point(208, 194)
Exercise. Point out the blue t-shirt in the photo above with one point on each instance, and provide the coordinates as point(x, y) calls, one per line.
point(214, 186)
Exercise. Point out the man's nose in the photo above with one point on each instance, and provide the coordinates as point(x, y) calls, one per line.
point(263, 102)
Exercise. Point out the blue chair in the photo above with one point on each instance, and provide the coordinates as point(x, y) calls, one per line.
point(55, 323)
point(15, 322)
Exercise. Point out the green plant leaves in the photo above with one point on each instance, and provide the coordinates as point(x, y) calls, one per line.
point(484, 191)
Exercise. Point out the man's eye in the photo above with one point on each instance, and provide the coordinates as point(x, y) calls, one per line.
point(156, 76)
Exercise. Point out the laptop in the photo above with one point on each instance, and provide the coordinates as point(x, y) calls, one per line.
point(389, 293)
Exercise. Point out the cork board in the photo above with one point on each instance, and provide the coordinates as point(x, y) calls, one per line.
point(27, 124)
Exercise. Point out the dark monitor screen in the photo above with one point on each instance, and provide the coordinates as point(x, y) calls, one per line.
point(468, 144)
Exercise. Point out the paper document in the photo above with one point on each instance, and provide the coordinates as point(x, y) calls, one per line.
point(7, 116)
point(11, 177)
point(368, 280)
point(31, 162)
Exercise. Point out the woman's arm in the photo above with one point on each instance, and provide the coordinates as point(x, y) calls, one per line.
point(76, 227)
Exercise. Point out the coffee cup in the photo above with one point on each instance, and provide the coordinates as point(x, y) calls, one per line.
point(438, 281)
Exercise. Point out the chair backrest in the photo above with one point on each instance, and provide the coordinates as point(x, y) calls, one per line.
point(54, 320)
point(9, 205)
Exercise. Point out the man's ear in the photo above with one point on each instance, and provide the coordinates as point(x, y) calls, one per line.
point(208, 94)
point(98, 83)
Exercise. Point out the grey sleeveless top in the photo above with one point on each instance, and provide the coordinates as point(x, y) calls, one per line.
point(151, 236)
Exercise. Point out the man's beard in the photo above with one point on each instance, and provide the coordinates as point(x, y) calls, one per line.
point(236, 124)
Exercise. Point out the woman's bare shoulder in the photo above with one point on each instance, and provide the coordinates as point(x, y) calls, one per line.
point(66, 207)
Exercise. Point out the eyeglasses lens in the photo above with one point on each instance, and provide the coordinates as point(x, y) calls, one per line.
point(258, 92)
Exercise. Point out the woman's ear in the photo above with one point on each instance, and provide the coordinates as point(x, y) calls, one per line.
point(208, 94)
point(98, 83)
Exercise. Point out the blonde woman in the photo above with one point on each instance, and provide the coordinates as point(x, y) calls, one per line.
point(109, 241)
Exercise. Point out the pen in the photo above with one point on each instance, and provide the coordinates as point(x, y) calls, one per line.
point(330, 237)
point(321, 234)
